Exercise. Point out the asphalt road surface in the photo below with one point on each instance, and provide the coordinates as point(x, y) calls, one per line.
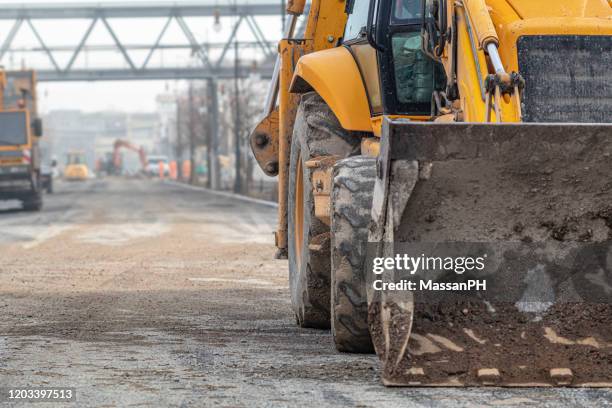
point(139, 293)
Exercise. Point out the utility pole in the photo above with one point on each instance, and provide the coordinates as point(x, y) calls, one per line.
point(209, 143)
point(237, 138)
point(214, 173)
point(192, 136)
point(178, 149)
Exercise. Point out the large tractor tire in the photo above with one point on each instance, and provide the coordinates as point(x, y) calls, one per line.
point(351, 201)
point(34, 201)
point(50, 185)
point(317, 133)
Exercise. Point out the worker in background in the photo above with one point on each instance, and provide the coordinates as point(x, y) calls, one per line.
point(186, 169)
point(161, 169)
point(173, 170)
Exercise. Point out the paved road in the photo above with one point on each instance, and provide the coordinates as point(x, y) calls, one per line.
point(141, 293)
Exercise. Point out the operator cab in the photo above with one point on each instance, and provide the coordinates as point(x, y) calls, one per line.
point(75, 158)
point(385, 37)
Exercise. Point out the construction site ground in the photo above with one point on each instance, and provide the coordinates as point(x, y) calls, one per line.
point(145, 293)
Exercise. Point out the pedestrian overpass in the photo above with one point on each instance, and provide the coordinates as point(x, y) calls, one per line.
point(209, 59)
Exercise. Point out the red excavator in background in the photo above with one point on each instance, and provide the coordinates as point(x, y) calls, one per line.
point(117, 159)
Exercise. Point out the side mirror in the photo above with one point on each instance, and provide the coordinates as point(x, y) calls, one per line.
point(53, 163)
point(37, 127)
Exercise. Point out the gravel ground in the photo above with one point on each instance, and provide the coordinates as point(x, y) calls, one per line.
point(138, 293)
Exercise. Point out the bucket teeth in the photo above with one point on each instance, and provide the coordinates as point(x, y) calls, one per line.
point(315, 247)
point(416, 375)
point(561, 376)
point(489, 376)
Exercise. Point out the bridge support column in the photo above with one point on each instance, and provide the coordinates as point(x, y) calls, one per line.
point(214, 177)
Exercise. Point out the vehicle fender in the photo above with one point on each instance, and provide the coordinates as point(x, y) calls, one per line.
point(335, 76)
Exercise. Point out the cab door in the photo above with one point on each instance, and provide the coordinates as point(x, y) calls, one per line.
point(409, 76)
point(355, 40)
point(399, 77)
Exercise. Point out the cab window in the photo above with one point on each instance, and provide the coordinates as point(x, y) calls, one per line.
point(406, 10)
point(414, 72)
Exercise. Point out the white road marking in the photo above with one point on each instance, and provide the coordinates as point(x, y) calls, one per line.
point(227, 280)
point(119, 234)
point(35, 229)
point(45, 235)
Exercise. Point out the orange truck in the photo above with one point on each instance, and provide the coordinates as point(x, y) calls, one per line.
point(20, 132)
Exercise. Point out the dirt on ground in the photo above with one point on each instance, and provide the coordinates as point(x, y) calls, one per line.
point(143, 293)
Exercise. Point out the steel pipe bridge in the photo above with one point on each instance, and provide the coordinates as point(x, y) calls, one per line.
point(206, 66)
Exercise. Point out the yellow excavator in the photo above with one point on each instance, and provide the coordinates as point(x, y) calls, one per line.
point(446, 129)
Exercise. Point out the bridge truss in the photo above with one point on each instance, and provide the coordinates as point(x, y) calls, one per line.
point(207, 66)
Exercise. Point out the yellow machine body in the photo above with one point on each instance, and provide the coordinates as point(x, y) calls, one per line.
point(76, 168)
point(500, 122)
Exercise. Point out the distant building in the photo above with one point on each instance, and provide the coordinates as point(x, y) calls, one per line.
point(166, 109)
point(95, 134)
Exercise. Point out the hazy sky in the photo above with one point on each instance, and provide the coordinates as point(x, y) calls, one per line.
point(120, 95)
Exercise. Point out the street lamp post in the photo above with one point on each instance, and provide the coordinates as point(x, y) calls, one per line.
point(237, 124)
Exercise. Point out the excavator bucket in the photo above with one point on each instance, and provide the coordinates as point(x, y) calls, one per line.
point(525, 209)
